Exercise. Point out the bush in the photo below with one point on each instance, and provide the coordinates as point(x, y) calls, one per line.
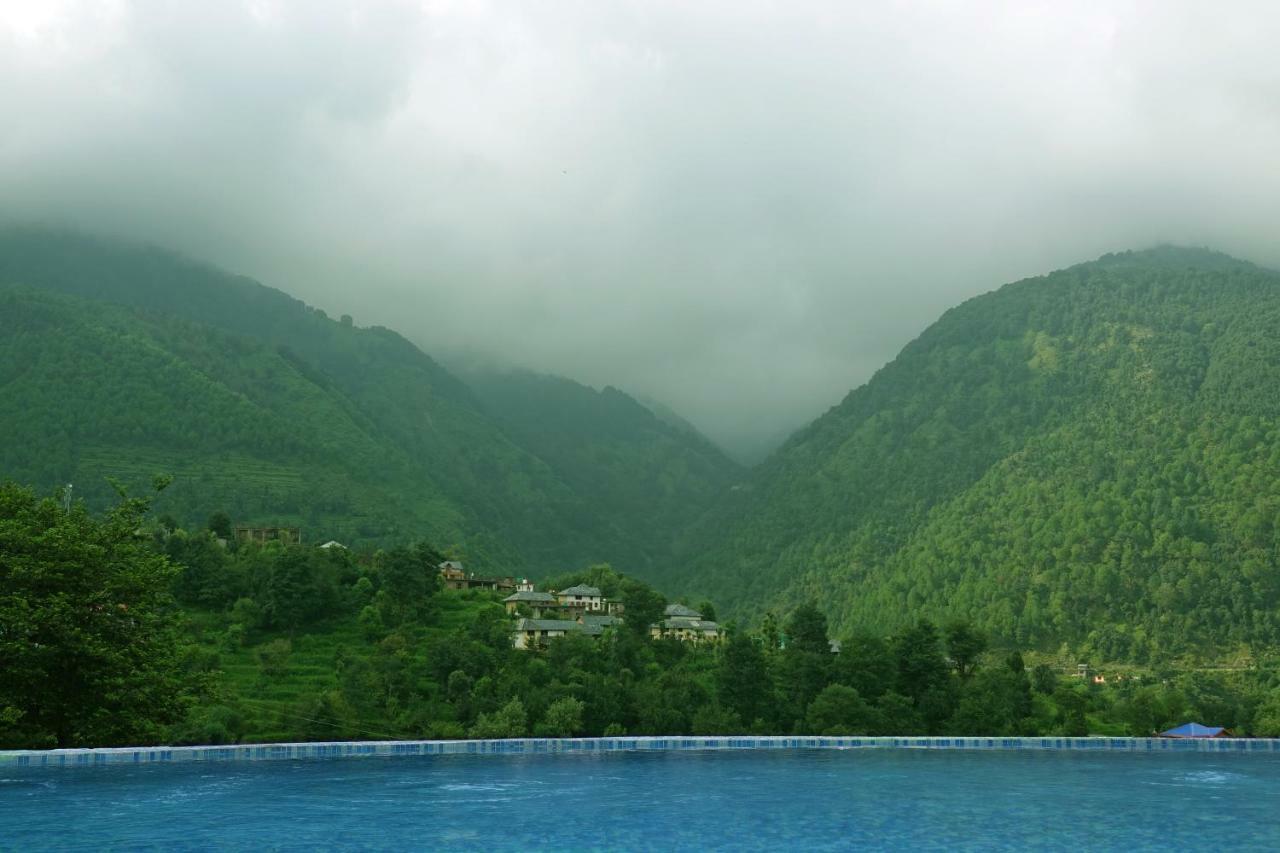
point(509, 721)
point(563, 718)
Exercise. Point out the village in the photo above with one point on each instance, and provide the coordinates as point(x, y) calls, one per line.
point(541, 616)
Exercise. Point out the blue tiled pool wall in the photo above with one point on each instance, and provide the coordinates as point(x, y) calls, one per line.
point(351, 749)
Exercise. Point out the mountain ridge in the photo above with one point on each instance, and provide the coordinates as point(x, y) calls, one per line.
point(843, 511)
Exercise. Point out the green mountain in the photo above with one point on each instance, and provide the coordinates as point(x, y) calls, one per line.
point(646, 476)
point(123, 361)
point(1091, 457)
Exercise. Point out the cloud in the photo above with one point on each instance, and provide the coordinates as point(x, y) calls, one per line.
point(742, 209)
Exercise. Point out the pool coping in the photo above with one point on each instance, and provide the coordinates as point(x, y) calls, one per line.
point(536, 746)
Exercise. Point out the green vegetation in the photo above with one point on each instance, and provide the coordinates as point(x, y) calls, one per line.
point(646, 476)
point(87, 627)
point(119, 361)
point(1091, 458)
point(278, 643)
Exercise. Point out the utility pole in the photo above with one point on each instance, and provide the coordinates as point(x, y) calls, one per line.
point(66, 498)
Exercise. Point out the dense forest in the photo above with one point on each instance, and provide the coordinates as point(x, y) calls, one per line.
point(1087, 461)
point(1089, 458)
point(119, 629)
point(119, 361)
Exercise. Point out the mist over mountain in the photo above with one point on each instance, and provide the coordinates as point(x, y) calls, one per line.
point(739, 209)
point(128, 361)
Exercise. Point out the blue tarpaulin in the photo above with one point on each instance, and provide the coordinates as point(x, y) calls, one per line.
point(1195, 730)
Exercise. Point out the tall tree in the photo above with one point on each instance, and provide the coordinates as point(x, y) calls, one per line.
point(87, 626)
point(742, 680)
point(964, 644)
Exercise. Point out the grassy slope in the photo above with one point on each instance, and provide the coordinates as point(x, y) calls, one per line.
point(281, 706)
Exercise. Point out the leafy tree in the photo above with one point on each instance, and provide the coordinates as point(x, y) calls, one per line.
point(87, 626)
point(510, 721)
point(742, 679)
point(299, 588)
point(807, 630)
point(563, 718)
point(219, 525)
point(866, 664)
point(839, 710)
point(964, 645)
point(410, 581)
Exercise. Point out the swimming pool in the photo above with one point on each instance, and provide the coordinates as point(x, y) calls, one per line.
point(750, 799)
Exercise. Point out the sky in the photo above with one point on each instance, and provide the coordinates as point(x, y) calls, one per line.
point(741, 209)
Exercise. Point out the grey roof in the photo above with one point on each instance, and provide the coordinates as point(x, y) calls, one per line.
point(600, 621)
point(547, 625)
point(580, 589)
point(542, 597)
point(681, 610)
point(450, 564)
point(677, 623)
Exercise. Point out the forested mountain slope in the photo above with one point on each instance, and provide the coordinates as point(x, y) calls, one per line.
point(267, 408)
point(1091, 457)
point(643, 474)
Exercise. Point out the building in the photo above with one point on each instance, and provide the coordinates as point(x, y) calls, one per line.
point(686, 625)
point(524, 585)
point(454, 576)
point(532, 633)
point(592, 621)
point(262, 535)
point(582, 597)
point(333, 543)
point(533, 601)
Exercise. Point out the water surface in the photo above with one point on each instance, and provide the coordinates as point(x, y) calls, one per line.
point(807, 799)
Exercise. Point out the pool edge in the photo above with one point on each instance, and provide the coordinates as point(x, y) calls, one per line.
point(534, 746)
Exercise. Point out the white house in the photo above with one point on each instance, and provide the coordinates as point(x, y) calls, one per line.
point(583, 596)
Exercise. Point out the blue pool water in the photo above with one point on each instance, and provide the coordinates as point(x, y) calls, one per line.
point(806, 799)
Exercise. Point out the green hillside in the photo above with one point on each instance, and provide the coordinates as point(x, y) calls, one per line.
point(265, 407)
point(92, 391)
point(646, 476)
point(1091, 457)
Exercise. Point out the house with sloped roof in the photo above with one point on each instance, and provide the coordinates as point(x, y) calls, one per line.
point(686, 625)
point(583, 597)
point(593, 620)
point(454, 576)
point(535, 602)
point(531, 633)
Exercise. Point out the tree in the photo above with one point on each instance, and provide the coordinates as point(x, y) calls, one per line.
point(87, 627)
point(742, 679)
point(563, 718)
point(805, 664)
point(1044, 679)
point(866, 664)
point(839, 710)
point(644, 604)
point(220, 525)
point(409, 583)
point(300, 588)
point(964, 645)
point(923, 673)
point(920, 663)
point(509, 721)
point(807, 630)
point(770, 635)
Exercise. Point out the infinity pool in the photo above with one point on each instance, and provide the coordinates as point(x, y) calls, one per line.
point(806, 799)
